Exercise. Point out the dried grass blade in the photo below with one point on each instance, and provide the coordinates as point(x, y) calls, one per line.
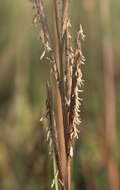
point(55, 134)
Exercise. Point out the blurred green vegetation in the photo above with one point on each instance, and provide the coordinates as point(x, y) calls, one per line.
point(24, 159)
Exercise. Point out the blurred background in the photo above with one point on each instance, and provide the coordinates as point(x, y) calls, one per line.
point(25, 163)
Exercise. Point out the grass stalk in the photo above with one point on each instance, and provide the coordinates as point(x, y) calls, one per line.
point(63, 101)
point(55, 172)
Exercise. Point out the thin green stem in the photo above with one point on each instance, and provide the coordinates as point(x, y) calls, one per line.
point(55, 172)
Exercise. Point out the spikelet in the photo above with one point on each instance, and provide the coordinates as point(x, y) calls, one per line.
point(75, 100)
point(80, 59)
point(45, 36)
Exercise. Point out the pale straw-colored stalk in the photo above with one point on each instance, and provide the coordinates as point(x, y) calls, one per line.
point(63, 88)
